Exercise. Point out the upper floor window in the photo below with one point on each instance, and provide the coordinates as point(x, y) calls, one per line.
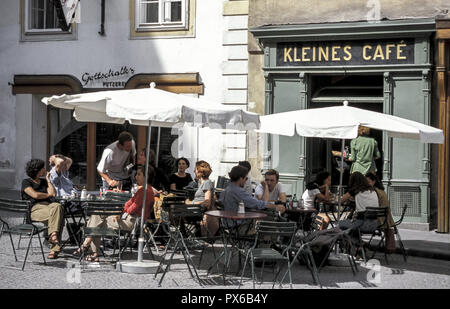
point(161, 14)
point(41, 16)
point(40, 22)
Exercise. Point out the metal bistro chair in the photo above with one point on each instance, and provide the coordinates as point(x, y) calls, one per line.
point(276, 231)
point(27, 228)
point(301, 248)
point(107, 208)
point(374, 219)
point(178, 211)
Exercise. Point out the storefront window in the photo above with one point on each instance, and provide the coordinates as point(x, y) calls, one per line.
point(362, 91)
point(69, 138)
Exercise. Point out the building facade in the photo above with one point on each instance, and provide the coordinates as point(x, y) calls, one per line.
point(193, 47)
point(378, 55)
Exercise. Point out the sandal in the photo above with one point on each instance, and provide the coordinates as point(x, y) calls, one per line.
point(92, 258)
point(53, 255)
point(80, 251)
point(53, 239)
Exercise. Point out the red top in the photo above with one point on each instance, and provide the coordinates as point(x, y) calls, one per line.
point(134, 205)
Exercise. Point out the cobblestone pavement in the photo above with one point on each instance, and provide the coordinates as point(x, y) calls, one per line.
point(65, 273)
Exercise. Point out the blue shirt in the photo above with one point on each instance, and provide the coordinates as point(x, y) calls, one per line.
point(63, 185)
point(233, 195)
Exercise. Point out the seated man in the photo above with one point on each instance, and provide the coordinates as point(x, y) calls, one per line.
point(59, 174)
point(235, 193)
point(271, 189)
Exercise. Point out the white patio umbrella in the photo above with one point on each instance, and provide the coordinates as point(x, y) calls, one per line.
point(342, 122)
point(152, 107)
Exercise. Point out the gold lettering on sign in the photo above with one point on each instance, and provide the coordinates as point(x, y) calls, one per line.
point(334, 53)
point(378, 53)
point(314, 53)
point(304, 49)
point(296, 59)
point(388, 50)
point(287, 54)
point(347, 49)
point(399, 51)
point(323, 53)
point(365, 48)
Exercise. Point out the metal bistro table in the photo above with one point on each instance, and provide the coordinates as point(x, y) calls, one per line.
point(331, 206)
point(301, 213)
point(230, 234)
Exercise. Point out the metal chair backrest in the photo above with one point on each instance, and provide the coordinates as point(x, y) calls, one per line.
point(180, 193)
point(405, 207)
point(375, 213)
point(272, 228)
point(185, 210)
point(16, 206)
point(110, 208)
point(222, 182)
point(172, 200)
point(120, 196)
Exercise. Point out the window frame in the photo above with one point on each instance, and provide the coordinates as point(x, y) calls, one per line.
point(50, 34)
point(161, 25)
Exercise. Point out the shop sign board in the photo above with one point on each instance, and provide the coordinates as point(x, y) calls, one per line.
point(110, 78)
point(339, 53)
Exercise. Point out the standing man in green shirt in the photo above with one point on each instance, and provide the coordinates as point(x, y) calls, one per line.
point(363, 152)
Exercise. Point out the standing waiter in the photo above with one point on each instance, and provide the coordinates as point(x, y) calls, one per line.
point(116, 162)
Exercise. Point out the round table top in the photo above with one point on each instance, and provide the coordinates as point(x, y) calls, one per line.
point(236, 216)
point(301, 210)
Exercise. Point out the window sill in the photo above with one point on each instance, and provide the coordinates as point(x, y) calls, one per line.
point(42, 36)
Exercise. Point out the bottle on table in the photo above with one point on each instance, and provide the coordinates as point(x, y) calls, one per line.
point(241, 209)
point(294, 202)
point(84, 193)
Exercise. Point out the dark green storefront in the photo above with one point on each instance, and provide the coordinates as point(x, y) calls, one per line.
point(384, 66)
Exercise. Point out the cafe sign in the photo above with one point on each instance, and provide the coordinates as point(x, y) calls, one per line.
point(111, 78)
point(338, 53)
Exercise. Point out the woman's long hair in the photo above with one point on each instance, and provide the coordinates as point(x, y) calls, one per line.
point(375, 178)
point(358, 183)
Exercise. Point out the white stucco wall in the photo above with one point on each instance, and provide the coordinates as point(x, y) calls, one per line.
point(203, 53)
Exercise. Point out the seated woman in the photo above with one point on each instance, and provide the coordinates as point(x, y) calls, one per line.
point(132, 210)
point(364, 195)
point(320, 188)
point(204, 196)
point(40, 192)
point(383, 200)
point(180, 179)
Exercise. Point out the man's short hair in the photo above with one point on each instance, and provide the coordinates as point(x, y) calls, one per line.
point(237, 172)
point(273, 172)
point(245, 164)
point(125, 137)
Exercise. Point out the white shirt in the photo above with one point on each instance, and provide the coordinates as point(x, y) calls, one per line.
point(248, 186)
point(366, 199)
point(308, 198)
point(113, 161)
point(273, 195)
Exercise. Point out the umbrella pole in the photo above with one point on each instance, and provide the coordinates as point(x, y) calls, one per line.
point(141, 235)
point(141, 266)
point(341, 177)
